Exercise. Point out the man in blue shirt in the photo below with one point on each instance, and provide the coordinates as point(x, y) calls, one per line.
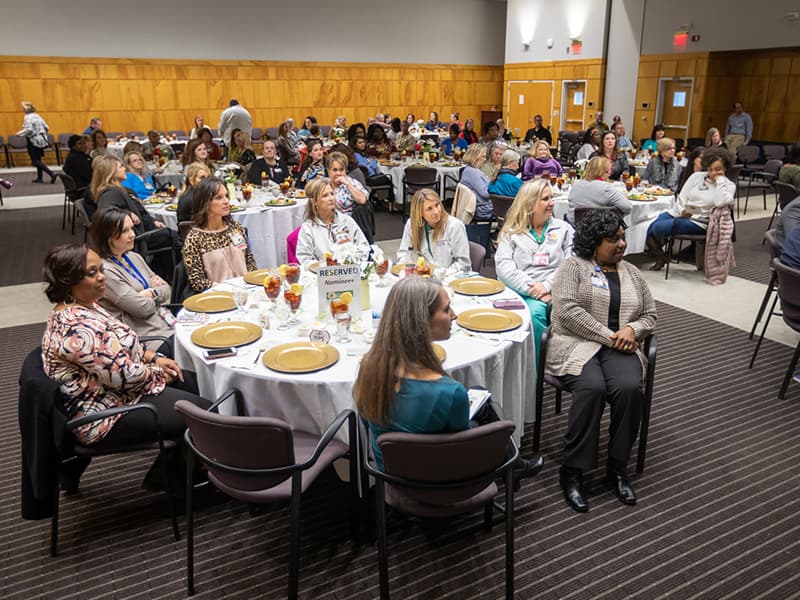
point(739, 128)
point(95, 123)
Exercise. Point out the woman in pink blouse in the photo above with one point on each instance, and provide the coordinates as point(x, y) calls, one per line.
point(99, 362)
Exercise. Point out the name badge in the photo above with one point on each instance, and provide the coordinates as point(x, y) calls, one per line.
point(237, 239)
point(541, 259)
point(342, 237)
point(440, 243)
point(599, 282)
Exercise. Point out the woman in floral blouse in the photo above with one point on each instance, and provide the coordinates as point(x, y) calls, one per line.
point(98, 360)
point(216, 248)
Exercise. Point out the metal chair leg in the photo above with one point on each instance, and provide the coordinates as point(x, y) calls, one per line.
point(789, 373)
point(763, 332)
point(764, 302)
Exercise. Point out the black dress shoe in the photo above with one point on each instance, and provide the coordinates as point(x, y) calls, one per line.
point(524, 468)
point(53, 178)
point(618, 483)
point(572, 486)
point(37, 181)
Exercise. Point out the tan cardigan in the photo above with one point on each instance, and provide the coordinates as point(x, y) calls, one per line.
point(580, 314)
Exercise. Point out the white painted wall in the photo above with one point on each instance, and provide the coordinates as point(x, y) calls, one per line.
point(535, 21)
point(411, 31)
point(625, 35)
point(721, 24)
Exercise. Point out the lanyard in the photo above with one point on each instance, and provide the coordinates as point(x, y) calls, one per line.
point(131, 268)
point(428, 238)
point(540, 240)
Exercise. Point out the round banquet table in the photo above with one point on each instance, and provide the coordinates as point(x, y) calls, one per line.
point(397, 170)
point(267, 227)
point(642, 214)
point(502, 362)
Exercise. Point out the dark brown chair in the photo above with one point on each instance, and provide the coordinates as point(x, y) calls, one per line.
point(82, 217)
point(67, 451)
point(443, 475)
point(450, 185)
point(179, 133)
point(17, 144)
point(500, 206)
point(733, 174)
point(71, 194)
point(417, 178)
point(184, 227)
point(789, 293)
point(4, 147)
point(555, 382)
point(777, 151)
point(477, 254)
point(785, 193)
point(260, 460)
point(760, 180)
point(774, 247)
point(750, 157)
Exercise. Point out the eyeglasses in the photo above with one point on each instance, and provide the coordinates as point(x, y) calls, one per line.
point(671, 148)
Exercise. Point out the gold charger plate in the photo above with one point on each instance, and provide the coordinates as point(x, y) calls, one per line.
point(210, 302)
point(396, 268)
point(440, 352)
point(226, 334)
point(300, 357)
point(313, 267)
point(658, 192)
point(256, 277)
point(477, 286)
point(172, 207)
point(236, 209)
point(279, 203)
point(493, 320)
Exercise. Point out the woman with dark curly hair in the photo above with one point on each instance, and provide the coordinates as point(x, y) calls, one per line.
point(602, 310)
point(702, 192)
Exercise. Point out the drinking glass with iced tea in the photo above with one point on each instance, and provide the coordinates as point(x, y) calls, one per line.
point(293, 295)
point(272, 286)
point(291, 272)
point(381, 269)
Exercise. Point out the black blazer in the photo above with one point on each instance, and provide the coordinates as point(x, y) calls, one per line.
point(277, 173)
point(119, 197)
point(78, 165)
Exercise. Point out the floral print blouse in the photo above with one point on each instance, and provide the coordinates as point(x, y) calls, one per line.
point(98, 363)
point(344, 199)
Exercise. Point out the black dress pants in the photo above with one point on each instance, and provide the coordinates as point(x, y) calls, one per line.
point(613, 377)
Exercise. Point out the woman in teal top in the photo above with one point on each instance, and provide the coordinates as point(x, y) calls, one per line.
point(506, 183)
point(401, 385)
point(652, 144)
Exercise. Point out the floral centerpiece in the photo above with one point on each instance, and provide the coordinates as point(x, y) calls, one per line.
point(350, 254)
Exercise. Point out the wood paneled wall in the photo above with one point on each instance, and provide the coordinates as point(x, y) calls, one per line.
point(139, 94)
point(767, 82)
point(590, 70)
point(655, 67)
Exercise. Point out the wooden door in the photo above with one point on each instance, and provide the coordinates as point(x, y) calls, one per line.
point(574, 105)
point(527, 99)
point(676, 102)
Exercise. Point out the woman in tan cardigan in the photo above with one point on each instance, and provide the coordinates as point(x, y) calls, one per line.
point(602, 310)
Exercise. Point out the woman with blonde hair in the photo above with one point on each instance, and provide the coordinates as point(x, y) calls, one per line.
point(325, 227)
point(532, 245)
point(540, 161)
point(664, 169)
point(137, 179)
point(594, 190)
point(35, 131)
point(494, 158)
point(108, 173)
point(241, 150)
point(430, 232)
point(476, 180)
point(507, 182)
point(195, 173)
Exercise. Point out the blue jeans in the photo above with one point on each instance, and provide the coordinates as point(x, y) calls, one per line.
point(665, 224)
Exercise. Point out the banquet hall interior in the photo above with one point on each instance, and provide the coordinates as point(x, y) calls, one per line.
point(718, 511)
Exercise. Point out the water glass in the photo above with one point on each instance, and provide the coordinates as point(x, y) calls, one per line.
point(343, 321)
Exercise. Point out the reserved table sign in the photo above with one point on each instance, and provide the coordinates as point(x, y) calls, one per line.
point(334, 281)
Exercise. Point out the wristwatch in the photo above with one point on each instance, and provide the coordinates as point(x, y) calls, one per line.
point(156, 356)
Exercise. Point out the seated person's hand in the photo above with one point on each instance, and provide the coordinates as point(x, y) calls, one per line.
point(171, 369)
point(159, 224)
point(537, 290)
point(624, 340)
point(156, 281)
point(686, 214)
point(135, 218)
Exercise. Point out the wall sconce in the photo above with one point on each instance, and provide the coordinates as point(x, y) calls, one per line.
point(576, 44)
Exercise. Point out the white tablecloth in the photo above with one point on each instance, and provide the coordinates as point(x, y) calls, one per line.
point(642, 214)
point(396, 174)
point(267, 228)
point(311, 401)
